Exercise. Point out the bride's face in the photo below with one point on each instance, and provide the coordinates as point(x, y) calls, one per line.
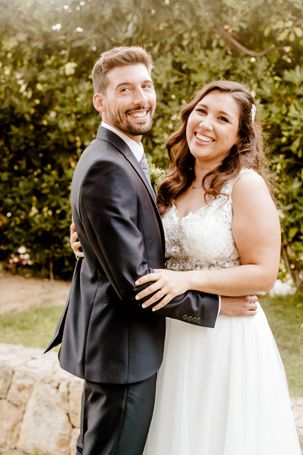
point(212, 128)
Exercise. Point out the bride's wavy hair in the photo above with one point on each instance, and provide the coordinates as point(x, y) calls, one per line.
point(248, 152)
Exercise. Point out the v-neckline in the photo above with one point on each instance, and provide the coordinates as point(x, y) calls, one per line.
point(180, 218)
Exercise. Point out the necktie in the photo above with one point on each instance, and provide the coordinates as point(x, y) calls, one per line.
point(144, 166)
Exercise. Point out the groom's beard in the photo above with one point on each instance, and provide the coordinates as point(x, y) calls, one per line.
point(136, 121)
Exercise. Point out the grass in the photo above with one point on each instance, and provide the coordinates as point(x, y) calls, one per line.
point(285, 315)
point(13, 452)
point(35, 327)
point(31, 328)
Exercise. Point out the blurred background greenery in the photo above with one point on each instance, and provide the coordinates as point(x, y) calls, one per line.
point(47, 51)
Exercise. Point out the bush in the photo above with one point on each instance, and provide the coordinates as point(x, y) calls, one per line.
point(47, 118)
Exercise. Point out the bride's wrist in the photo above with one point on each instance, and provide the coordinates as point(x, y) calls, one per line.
point(196, 280)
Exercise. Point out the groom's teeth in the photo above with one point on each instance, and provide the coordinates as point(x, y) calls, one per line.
point(138, 114)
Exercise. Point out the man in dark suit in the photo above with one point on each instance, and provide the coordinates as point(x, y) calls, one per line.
point(106, 336)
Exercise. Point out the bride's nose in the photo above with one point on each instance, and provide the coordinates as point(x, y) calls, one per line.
point(207, 122)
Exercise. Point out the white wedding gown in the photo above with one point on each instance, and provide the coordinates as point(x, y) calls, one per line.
point(220, 391)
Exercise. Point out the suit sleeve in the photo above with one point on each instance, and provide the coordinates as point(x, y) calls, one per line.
point(108, 205)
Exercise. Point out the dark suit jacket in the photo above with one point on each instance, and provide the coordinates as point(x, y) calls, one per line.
point(104, 333)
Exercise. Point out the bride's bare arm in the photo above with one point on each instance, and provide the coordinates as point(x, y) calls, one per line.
point(256, 232)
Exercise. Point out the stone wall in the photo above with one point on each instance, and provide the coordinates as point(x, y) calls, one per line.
point(40, 404)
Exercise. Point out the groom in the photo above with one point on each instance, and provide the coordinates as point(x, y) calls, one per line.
point(106, 337)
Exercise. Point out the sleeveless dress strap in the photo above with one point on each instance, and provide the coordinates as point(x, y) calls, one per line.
point(228, 187)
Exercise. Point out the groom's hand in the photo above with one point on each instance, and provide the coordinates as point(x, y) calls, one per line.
point(245, 306)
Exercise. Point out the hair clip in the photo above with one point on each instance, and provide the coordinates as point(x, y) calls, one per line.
point(253, 112)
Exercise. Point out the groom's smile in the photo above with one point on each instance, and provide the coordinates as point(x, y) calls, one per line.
point(129, 100)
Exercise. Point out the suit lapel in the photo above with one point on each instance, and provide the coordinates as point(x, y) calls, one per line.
point(109, 136)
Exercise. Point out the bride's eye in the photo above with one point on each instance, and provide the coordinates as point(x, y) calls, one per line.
point(201, 110)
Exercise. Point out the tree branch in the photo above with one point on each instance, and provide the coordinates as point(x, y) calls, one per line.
point(227, 37)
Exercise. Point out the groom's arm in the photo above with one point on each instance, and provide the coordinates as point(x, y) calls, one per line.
point(109, 213)
point(241, 306)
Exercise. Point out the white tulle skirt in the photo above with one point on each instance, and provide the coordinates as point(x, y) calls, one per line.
point(222, 391)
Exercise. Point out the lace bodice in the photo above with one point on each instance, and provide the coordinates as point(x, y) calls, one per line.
point(202, 239)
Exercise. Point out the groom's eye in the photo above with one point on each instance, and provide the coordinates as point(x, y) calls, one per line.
point(125, 89)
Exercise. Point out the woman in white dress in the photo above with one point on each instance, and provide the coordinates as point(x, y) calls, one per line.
point(220, 391)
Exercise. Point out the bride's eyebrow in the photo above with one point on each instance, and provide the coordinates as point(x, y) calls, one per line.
point(219, 112)
point(224, 113)
point(201, 105)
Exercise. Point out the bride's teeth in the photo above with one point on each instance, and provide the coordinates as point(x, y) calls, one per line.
point(204, 138)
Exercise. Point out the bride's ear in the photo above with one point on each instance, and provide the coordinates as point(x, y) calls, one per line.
point(98, 102)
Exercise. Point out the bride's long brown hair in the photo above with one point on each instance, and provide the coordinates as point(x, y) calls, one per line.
point(248, 152)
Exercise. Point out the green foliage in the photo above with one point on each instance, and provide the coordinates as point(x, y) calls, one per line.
point(47, 118)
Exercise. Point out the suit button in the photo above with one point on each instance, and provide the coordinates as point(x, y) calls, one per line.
point(190, 318)
point(184, 317)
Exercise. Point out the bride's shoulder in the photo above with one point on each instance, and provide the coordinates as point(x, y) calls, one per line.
point(248, 176)
point(249, 182)
point(245, 177)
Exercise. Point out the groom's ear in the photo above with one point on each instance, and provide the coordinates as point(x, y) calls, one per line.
point(98, 102)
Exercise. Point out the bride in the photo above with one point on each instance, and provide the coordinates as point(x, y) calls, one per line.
point(220, 391)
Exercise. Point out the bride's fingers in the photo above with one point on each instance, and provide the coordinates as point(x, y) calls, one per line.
point(149, 290)
point(146, 278)
point(74, 237)
point(155, 298)
point(76, 246)
point(72, 228)
point(163, 302)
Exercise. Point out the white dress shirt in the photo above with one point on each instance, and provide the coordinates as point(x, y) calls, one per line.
point(136, 147)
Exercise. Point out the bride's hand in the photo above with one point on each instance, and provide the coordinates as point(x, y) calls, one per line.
point(75, 242)
point(167, 285)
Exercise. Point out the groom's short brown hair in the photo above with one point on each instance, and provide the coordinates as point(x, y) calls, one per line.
point(118, 56)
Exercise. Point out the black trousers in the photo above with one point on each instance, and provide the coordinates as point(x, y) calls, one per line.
point(115, 418)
